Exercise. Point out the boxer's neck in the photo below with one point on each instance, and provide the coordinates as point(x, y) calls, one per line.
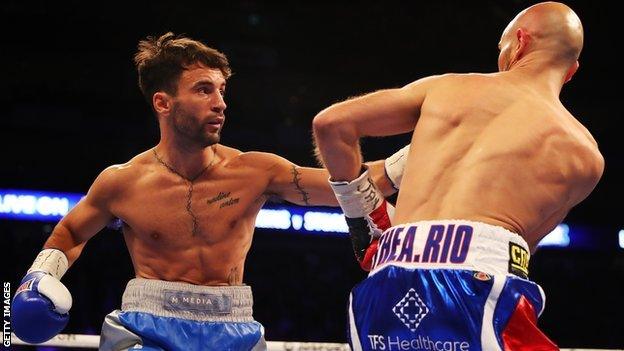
point(186, 161)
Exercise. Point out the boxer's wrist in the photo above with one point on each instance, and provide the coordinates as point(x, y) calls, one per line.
point(50, 261)
point(394, 166)
point(367, 214)
point(358, 197)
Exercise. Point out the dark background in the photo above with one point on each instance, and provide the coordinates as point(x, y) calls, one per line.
point(70, 106)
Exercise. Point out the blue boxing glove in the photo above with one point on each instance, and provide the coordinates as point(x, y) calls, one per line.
point(41, 302)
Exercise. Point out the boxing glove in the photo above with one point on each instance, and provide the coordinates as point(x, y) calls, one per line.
point(367, 214)
point(41, 303)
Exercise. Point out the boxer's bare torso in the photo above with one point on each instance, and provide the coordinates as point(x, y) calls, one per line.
point(498, 148)
point(159, 230)
point(151, 201)
point(490, 148)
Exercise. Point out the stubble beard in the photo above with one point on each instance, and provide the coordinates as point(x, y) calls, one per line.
point(188, 128)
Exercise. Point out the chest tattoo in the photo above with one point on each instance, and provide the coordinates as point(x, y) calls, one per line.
point(189, 196)
point(220, 196)
point(227, 199)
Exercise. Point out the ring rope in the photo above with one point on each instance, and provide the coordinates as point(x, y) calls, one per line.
point(93, 341)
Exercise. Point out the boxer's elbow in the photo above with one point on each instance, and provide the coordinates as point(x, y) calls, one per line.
point(322, 124)
point(329, 125)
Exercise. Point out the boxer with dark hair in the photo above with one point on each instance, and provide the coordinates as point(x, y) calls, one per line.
point(188, 208)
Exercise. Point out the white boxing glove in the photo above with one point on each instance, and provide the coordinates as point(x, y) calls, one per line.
point(367, 214)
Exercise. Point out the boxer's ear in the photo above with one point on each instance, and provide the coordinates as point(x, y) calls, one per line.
point(522, 46)
point(162, 102)
point(571, 71)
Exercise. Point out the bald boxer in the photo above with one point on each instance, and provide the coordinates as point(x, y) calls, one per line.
point(496, 162)
point(188, 208)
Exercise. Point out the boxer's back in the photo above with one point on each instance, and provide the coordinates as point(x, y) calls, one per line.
point(492, 149)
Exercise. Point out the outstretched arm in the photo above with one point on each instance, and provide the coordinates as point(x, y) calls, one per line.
point(304, 186)
point(309, 186)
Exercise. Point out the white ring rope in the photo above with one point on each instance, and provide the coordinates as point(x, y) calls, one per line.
point(92, 342)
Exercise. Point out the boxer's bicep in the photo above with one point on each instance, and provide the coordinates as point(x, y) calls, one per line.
point(382, 113)
point(86, 219)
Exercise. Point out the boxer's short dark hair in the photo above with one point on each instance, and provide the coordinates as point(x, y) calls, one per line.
point(161, 61)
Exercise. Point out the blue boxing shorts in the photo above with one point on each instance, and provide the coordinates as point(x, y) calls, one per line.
point(448, 285)
point(161, 315)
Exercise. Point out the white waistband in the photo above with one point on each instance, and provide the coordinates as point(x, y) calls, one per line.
point(188, 301)
point(453, 244)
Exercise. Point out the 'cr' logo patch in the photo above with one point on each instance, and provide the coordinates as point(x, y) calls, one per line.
point(518, 260)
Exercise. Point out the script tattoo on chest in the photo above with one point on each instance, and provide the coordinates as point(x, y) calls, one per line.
point(297, 182)
point(228, 200)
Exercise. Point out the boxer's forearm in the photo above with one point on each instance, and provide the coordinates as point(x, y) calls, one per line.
point(86, 219)
point(62, 239)
point(338, 147)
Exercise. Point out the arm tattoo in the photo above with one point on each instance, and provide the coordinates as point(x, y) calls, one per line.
point(296, 181)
